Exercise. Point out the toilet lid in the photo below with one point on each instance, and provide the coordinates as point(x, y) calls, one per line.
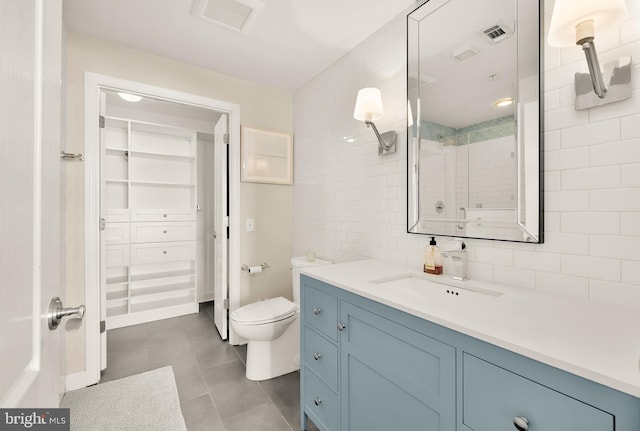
point(270, 310)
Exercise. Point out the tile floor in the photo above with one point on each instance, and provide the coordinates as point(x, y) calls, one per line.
point(214, 393)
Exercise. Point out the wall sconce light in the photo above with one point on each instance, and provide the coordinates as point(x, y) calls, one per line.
point(576, 22)
point(369, 109)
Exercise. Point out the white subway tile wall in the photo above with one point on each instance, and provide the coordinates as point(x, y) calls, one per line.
point(350, 204)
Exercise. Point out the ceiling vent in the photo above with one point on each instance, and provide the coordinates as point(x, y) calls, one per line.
point(496, 33)
point(238, 15)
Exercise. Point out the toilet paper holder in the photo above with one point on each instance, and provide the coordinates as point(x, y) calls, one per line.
point(251, 269)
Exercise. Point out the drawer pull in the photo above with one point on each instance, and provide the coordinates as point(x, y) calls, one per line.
point(316, 311)
point(341, 326)
point(164, 251)
point(521, 423)
point(317, 401)
point(164, 231)
point(164, 215)
point(317, 356)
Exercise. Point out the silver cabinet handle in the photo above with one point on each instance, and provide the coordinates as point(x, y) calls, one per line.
point(57, 312)
point(341, 326)
point(317, 401)
point(164, 251)
point(521, 423)
point(317, 356)
point(316, 311)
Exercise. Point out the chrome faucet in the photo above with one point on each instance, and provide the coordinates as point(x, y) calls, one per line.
point(456, 250)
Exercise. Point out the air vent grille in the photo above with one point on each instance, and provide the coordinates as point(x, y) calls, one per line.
point(497, 33)
point(494, 32)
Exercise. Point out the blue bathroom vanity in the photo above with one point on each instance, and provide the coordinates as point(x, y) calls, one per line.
point(387, 348)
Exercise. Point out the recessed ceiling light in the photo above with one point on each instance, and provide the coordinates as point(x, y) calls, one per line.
point(503, 102)
point(130, 97)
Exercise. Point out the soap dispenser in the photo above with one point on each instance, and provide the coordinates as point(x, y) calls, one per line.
point(433, 258)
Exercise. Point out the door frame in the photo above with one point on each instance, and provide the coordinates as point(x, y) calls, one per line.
point(93, 83)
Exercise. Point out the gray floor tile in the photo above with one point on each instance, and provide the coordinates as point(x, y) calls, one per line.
point(126, 339)
point(188, 376)
point(231, 391)
point(210, 375)
point(210, 355)
point(242, 352)
point(169, 351)
point(200, 414)
point(164, 324)
point(125, 364)
point(284, 391)
point(264, 418)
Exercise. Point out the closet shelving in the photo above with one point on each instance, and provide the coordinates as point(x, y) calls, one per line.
point(149, 206)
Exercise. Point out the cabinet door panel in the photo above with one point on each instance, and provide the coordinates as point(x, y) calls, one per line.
point(493, 396)
point(393, 377)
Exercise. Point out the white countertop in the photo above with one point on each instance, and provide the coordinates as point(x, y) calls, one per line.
point(591, 339)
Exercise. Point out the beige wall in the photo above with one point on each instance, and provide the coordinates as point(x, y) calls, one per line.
point(269, 205)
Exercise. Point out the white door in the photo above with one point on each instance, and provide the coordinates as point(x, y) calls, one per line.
point(30, 121)
point(221, 222)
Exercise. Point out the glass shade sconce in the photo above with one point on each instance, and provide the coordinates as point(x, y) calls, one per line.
point(577, 22)
point(369, 109)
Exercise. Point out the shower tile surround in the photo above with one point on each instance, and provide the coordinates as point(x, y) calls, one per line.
point(350, 204)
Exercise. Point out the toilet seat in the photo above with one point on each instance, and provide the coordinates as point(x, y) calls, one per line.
point(262, 312)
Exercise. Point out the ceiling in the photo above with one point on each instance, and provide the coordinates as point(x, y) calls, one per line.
point(288, 44)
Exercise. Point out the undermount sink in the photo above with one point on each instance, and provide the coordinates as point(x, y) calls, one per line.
point(420, 286)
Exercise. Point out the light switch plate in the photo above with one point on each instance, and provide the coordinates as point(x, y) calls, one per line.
point(250, 225)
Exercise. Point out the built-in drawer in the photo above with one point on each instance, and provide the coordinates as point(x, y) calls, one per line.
point(163, 215)
point(493, 397)
point(158, 232)
point(117, 216)
point(117, 255)
point(322, 357)
point(321, 402)
point(162, 252)
point(321, 311)
point(116, 233)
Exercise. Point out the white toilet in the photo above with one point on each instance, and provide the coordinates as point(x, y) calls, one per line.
point(272, 328)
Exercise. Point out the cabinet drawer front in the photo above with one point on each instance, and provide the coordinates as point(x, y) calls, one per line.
point(493, 396)
point(320, 402)
point(116, 233)
point(320, 310)
point(157, 232)
point(322, 357)
point(163, 252)
point(117, 216)
point(117, 255)
point(163, 215)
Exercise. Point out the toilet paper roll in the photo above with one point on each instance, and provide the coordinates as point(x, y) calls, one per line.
point(255, 269)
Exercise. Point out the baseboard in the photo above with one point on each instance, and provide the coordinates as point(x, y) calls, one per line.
point(76, 381)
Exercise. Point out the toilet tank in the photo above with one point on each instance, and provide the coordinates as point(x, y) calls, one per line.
point(297, 263)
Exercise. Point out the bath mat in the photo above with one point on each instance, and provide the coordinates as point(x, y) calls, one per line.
point(143, 402)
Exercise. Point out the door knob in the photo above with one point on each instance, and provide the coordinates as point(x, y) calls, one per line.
point(521, 423)
point(341, 326)
point(57, 312)
point(316, 311)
